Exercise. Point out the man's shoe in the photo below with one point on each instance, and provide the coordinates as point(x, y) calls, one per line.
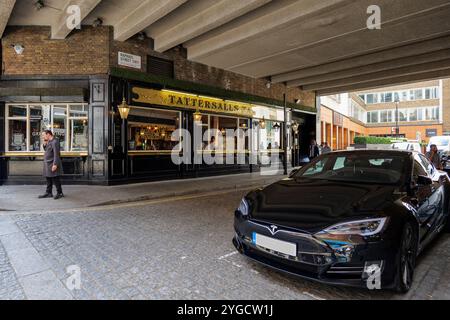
point(46, 195)
point(59, 196)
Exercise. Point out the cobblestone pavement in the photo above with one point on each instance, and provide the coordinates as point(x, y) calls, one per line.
point(179, 249)
point(9, 285)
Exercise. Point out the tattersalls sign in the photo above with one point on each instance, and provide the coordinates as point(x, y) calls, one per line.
point(191, 101)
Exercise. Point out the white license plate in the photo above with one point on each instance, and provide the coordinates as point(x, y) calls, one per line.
point(275, 244)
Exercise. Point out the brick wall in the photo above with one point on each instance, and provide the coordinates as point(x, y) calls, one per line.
point(93, 51)
point(203, 74)
point(84, 51)
point(409, 131)
point(446, 104)
point(200, 73)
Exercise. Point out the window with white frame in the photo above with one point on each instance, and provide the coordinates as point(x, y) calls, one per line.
point(386, 116)
point(26, 122)
point(372, 116)
point(412, 114)
point(401, 95)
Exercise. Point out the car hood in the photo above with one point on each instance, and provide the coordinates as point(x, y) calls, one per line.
point(312, 205)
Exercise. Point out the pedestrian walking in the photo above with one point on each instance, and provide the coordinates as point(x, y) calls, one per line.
point(326, 148)
point(313, 150)
point(434, 156)
point(52, 165)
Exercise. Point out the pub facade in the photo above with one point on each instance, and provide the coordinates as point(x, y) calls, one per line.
point(102, 145)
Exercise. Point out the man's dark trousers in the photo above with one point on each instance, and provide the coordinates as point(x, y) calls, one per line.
point(54, 181)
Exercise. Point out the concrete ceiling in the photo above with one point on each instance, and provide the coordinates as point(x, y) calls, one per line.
point(320, 45)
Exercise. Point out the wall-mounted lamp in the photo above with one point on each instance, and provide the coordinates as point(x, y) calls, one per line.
point(268, 84)
point(141, 36)
point(197, 116)
point(18, 48)
point(297, 101)
point(262, 123)
point(124, 109)
point(276, 126)
point(295, 126)
point(97, 22)
point(39, 4)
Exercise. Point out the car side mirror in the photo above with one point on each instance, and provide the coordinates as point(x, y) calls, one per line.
point(293, 172)
point(424, 181)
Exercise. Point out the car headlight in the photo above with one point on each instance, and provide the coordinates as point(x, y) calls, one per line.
point(367, 227)
point(244, 207)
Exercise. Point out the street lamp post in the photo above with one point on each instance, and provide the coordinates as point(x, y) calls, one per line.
point(397, 129)
point(285, 136)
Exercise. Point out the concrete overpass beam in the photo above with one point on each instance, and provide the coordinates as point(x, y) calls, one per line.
point(396, 80)
point(371, 68)
point(279, 13)
point(416, 48)
point(143, 16)
point(59, 26)
point(6, 7)
point(192, 23)
point(382, 75)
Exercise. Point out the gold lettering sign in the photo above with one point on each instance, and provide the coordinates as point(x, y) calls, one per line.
point(191, 101)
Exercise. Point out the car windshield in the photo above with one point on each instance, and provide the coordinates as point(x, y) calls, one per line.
point(384, 169)
point(440, 141)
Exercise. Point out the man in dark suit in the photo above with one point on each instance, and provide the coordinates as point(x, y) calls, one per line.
point(313, 150)
point(52, 165)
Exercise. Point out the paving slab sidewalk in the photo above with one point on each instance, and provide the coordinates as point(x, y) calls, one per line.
point(24, 197)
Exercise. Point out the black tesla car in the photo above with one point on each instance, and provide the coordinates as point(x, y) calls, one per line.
point(357, 218)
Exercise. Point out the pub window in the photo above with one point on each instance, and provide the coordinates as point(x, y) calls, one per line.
point(25, 123)
point(78, 123)
point(218, 125)
point(270, 137)
point(160, 67)
point(152, 129)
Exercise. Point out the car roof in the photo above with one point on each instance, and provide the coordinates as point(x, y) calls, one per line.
point(377, 152)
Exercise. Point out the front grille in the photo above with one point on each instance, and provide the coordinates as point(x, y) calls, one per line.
point(346, 272)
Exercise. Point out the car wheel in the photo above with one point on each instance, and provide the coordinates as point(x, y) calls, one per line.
point(406, 259)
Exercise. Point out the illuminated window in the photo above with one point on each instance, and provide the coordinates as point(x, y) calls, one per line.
point(26, 122)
